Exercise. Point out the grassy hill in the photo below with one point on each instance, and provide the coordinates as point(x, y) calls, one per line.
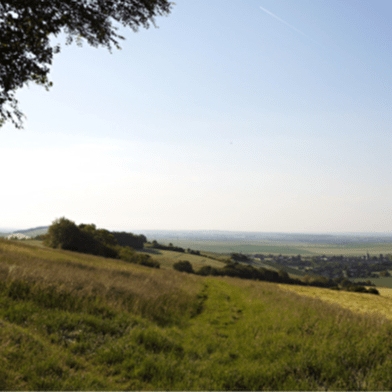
point(167, 258)
point(75, 321)
point(33, 232)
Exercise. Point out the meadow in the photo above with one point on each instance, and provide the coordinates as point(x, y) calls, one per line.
point(81, 322)
point(284, 248)
point(167, 258)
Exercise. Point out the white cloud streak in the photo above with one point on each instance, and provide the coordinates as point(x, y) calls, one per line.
point(288, 24)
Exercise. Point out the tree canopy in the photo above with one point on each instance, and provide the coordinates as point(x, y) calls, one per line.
point(27, 25)
point(86, 238)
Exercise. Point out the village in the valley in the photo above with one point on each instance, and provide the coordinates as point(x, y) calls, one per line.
point(332, 267)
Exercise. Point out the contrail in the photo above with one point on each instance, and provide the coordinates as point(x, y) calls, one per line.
point(287, 24)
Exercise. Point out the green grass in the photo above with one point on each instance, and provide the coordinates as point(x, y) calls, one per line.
point(79, 322)
point(34, 243)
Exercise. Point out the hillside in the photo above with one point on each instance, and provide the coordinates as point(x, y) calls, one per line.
point(167, 258)
point(76, 321)
point(32, 232)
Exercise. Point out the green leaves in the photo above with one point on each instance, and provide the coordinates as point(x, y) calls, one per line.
point(26, 27)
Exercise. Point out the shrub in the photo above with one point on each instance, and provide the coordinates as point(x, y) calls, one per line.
point(283, 274)
point(356, 289)
point(147, 261)
point(183, 266)
point(207, 270)
point(128, 254)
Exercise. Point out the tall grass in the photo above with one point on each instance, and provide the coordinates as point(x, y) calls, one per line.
point(67, 275)
point(81, 322)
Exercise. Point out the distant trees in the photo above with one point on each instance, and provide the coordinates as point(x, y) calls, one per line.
point(239, 257)
point(193, 252)
point(171, 247)
point(40, 237)
point(129, 239)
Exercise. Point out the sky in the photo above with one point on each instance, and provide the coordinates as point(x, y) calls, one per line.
point(242, 115)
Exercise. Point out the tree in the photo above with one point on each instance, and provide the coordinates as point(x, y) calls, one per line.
point(129, 239)
point(63, 234)
point(26, 27)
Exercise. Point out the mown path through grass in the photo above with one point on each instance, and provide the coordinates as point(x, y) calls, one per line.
point(255, 337)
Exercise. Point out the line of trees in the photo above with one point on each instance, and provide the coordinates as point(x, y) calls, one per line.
point(86, 238)
point(171, 247)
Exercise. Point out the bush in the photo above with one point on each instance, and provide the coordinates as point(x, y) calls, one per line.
point(283, 274)
point(147, 261)
point(129, 255)
point(356, 289)
point(207, 270)
point(372, 290)
point(183, 266)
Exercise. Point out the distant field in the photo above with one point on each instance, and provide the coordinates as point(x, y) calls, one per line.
point(284, 248)
point(379, 282)
point(273, 247)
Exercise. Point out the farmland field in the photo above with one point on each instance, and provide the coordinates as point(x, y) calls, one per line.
point(284, 248)
point(384, 282)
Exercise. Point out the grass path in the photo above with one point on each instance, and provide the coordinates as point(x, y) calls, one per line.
point(254, 336)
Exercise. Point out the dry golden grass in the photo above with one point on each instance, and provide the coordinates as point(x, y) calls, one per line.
point(358, 302)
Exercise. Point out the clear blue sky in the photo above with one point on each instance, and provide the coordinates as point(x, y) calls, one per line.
point(255, 115)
